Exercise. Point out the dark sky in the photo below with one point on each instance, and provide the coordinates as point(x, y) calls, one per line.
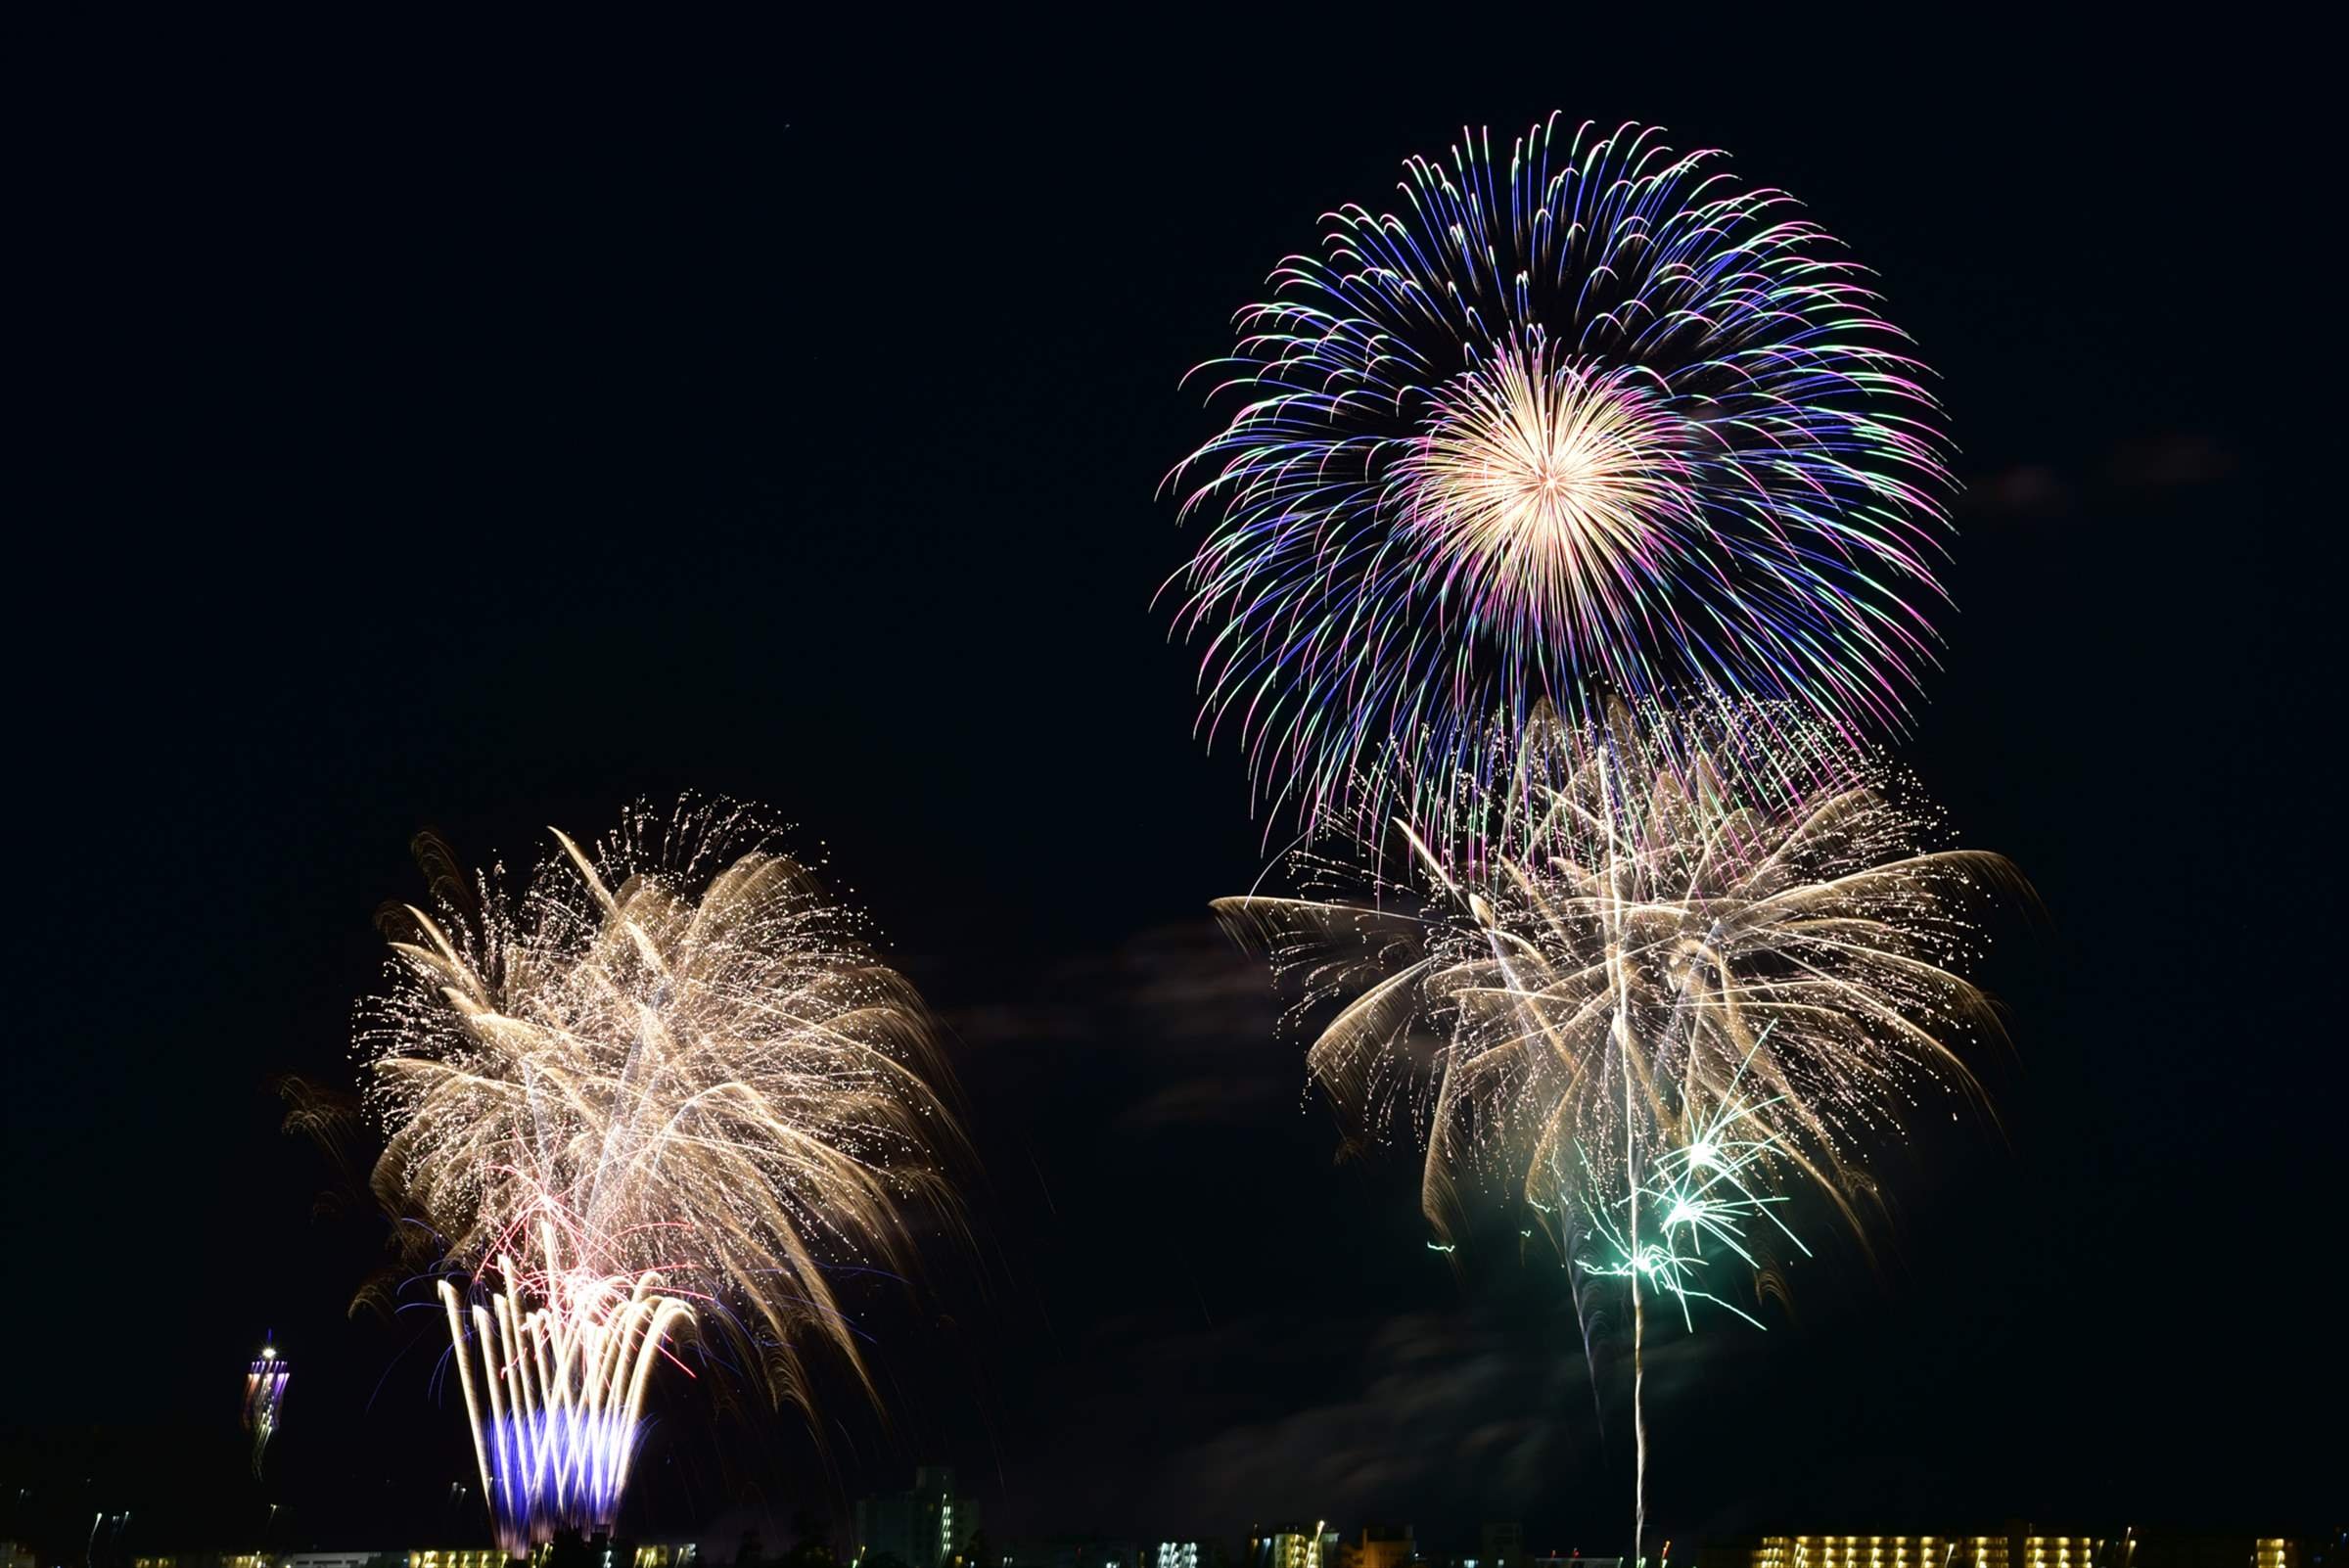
point(485, 435)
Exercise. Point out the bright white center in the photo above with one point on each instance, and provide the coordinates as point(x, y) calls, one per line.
point(1544, 490)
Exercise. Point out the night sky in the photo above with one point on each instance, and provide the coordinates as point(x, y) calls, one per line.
point(486, 446)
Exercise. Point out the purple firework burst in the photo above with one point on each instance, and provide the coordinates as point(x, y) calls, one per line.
point(1596, 421)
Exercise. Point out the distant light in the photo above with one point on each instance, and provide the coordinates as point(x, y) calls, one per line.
point(268, 1353)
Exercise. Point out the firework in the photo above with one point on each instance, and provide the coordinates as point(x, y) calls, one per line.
point(1597, 423)
point(1669, 992)
point(667, 1089)
point(565, 1383)
point(265, 1382)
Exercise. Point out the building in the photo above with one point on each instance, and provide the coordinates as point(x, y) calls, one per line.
point(920, 1527)
point(652, 1554)
point(2017, 1549)
point(2161, 1550)
point(1083, 1552)
point(647, 1554)
point(1292, 1544)
point(670, 1555)
point(1380, 1545)
point(1885, 1552)
point(2021, 1545)
point(1500, 1544)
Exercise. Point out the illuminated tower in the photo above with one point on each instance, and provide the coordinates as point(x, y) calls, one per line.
point(264, 1399)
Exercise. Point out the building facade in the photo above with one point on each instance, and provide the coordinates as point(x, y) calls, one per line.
point(1380, 1545)
point(922, 1527)
point(1500, 1544)
point(2020, 1545)
point(1292, 1544)
point(2017, 1549)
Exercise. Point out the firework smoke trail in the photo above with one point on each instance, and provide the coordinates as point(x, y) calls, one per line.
point(668, 1086)
point(264, 1399)
point(1593, 421)
point(1669, 988)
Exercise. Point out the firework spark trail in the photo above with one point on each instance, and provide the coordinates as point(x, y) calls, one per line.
point(1668, 989)
point(669, 1086)
point(566, 1392)
point(1602, 422)
point(264, 1399)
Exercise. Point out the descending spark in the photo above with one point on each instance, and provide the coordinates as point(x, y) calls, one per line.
point(565, 1383)
point(1668, 989)
point(1592, 421)
point(264, 1399)
point(668, 1088)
